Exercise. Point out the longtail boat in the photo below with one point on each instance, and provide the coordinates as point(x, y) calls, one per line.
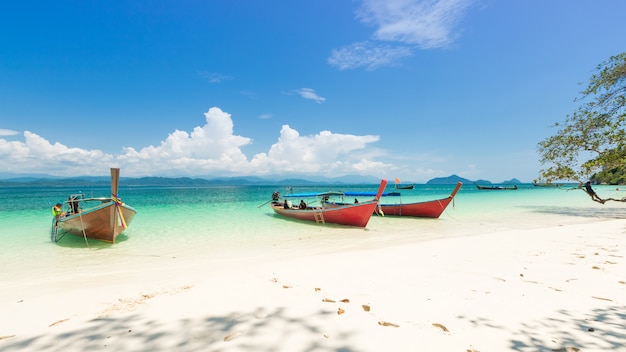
point(349, 214)
point(497, 188)
point(399, 185)
point(95, 218)
point(426, 209)
point(547, 184)
point(405, 186)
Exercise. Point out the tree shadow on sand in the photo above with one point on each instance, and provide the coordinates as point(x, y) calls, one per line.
point(601, 330)
point(604, 329)
point(596, 213)
point(237, 331)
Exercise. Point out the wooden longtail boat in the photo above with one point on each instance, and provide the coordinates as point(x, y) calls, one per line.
point(497, 188)
point(426, 209)
point(405, 186)
point(96, 218)
point(547, 184)
point(357, 214)
point(401, 186)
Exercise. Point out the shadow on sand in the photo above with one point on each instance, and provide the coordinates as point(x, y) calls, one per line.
point(212, 333)
point(591, 212)
point(606, 329)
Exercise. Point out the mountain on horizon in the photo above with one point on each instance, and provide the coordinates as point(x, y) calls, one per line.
point(154, 181)
point(448, 180)
point(455, 179)
point(512, 181)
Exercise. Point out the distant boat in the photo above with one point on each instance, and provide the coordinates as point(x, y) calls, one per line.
point(499, 188)
point(426, 209)
point(357, 214)
point(96, 218)
point(405, 186)
point(547, 184)
point(398, 185)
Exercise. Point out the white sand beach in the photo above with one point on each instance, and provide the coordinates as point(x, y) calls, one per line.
point(557, 288)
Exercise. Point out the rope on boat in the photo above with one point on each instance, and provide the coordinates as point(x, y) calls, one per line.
point(118, 206)
point(82, 224)
point(258, 206)
point(445, 210)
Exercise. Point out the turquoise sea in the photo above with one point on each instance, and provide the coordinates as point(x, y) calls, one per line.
point(226, 223)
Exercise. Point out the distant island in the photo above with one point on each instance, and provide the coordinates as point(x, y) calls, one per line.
point(102, 181)
point(455, 179)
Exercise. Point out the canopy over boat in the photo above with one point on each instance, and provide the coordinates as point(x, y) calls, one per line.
point(313, 194)
point(371, 194)
point(348, 194)
point(425, 209)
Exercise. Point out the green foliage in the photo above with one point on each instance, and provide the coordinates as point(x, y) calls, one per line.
point(592, 139)
point(616, 176)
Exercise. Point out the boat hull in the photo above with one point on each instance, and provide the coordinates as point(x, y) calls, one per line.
point(427, 209)
point(358, 214)
point(350, 215)
point(101, 222)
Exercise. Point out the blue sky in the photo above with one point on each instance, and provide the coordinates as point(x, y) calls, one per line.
point(396, 89)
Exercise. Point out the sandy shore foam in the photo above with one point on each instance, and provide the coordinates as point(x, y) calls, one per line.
point(560, 288)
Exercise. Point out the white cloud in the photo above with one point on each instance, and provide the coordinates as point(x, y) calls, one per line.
point(36, 154)
point(5, 132)
point(367, 54)
point(214, 77)
point(308, 93)
point(424, 24)
point(212, 149)
point(208, 148)
point(326, 153)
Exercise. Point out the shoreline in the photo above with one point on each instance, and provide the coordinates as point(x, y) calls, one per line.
point(553, 288)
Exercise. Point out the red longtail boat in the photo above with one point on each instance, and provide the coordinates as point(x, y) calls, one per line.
point(357, 214)
point(427, 209)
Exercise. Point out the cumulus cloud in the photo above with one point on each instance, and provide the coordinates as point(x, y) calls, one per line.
point(323, 153)
point(36, 154)
point(208, 150)
point(308, 93)
point(424, 24)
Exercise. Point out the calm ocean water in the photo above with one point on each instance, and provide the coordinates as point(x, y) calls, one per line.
point(226, 223)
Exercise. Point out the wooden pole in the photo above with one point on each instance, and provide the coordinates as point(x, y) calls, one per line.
point(115, 177)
